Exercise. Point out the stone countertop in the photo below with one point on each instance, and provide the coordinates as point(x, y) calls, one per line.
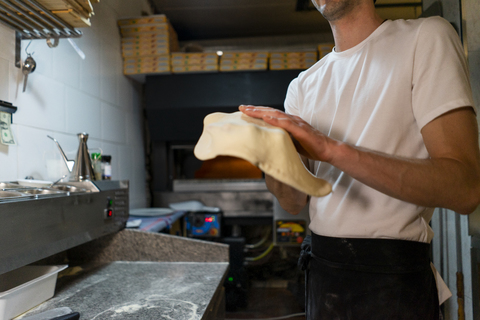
point(135, 274)
point(136, 245)
point(140, 290)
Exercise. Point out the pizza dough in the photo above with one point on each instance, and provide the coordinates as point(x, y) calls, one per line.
point(269, 148)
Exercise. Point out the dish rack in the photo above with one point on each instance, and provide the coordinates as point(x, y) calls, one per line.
point(31, 20)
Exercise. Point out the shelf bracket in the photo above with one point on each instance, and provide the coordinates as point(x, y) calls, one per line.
point(18, 47)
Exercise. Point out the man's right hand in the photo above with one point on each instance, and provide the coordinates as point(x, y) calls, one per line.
point(310, 142)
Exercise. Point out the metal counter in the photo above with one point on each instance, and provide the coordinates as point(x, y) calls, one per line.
point(38, 226)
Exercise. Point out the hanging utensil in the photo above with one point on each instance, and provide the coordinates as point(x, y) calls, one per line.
point(28, 67)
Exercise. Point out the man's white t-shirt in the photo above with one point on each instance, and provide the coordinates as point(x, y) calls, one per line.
point(378, 95)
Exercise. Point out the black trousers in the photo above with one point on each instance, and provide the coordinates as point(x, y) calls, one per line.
point(370, 279)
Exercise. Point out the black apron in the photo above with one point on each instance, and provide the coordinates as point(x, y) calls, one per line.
point(368, 279)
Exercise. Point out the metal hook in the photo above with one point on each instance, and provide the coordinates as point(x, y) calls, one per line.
point(28, 54)
point(52, 44)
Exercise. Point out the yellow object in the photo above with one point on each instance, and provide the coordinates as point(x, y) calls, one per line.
point(194, 55)
point(159, 28)
point(181, 62)
point(154, 19)
point(155, 60)
point(243, 67)
point(245, 61)
point(293, 54)
point(294, 227)
point(147, 42)
point(132, 69)
point(292, 60)
point(195, 68)
point(289, 66)
point(245, 54)
point(310, 61)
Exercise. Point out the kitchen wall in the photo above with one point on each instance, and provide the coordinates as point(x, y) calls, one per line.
point(66, 95)
point(471, 12)
point(452, 244)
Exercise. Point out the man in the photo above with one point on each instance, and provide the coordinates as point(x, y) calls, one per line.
point(388, 119)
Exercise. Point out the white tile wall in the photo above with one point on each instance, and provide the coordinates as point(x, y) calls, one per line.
point(125, 91)
point(7, 42)
point(42, 105)
point(66, 64)
point(113, 124)
point(4, 70)
point(110, 69)
point(66, 95)
point(83, 113)
point(106, 19)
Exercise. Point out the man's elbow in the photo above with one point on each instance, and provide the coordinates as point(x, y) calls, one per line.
point(471, 201)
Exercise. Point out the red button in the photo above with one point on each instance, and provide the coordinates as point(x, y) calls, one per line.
point(299, 240)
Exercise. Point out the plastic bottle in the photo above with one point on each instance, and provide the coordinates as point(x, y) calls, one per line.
point(106, 167)
point(97, 165)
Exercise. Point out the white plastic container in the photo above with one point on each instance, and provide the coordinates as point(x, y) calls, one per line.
point(25, 288)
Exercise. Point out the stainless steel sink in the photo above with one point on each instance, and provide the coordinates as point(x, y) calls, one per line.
point(8, 185)
point(11, 195)
point(44, 191)
point(68, 188)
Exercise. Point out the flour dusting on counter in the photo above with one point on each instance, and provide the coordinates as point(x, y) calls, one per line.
point(143, 291)
point(130, 308)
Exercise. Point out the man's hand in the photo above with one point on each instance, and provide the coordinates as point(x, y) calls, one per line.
point(309, 142)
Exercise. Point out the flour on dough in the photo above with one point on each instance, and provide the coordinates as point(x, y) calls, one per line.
point(269, 148)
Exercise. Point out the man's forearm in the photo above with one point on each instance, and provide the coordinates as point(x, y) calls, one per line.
point(439, 182)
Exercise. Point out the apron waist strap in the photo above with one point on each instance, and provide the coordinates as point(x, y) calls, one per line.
point(371, 255)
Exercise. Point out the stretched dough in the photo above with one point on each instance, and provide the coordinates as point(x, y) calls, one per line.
point(269, 148)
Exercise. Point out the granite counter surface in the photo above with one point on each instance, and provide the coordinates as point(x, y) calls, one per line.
point(135, 245)
point(140, 290)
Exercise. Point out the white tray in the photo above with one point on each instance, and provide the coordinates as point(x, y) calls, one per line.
point(151, 212)
point(25, 288)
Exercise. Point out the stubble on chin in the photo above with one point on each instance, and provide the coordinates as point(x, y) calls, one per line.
point(335, 10)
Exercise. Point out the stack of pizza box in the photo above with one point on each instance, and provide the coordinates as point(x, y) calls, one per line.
point(146, 44)
point(287, 60)
point(244, 60)
point(76, 13)
point(188, 62)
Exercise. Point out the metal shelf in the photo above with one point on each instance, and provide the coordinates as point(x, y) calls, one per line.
point(33, 21)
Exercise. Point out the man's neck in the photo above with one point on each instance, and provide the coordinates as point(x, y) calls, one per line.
point(354, 28)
